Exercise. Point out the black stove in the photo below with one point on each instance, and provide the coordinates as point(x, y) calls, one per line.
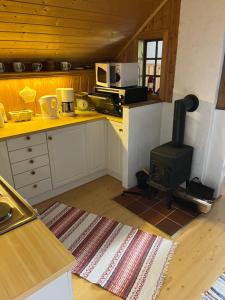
point(170, 163)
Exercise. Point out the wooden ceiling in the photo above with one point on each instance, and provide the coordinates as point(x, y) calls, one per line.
point(77, 30)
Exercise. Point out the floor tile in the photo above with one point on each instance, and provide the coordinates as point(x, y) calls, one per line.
point(162, 209)
point(148, 201)
point(168, 226)
point(187, 207)
point(180, 217)
point(137, 207)
point(152, 216)
point(124, 200)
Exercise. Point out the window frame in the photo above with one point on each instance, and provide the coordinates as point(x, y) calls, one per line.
point(155, 58)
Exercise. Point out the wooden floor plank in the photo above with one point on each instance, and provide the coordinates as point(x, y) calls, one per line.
point(200, 255)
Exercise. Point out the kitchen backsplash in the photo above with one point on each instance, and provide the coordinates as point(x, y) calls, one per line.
point(9, 88)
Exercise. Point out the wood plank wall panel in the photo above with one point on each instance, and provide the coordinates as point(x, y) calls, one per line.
point(164, 25)
point(221, 95)
point(81, 30)
point(9, 89)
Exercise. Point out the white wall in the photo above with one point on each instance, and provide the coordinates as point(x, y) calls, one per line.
point(198, 70)
point(141, 134)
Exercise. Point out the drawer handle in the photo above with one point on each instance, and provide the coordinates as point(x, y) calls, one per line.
point(32, 173)
point(120, 130)
point(49, 138)
point(35, 186)
point(29, 149)
point(28, 137)
point(31, 161)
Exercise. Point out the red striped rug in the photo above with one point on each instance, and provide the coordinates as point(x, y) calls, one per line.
point(126, 261)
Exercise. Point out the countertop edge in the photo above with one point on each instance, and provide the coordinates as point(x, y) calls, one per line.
point(54, 126)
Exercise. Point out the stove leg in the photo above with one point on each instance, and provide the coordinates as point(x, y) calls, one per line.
point(169, 200)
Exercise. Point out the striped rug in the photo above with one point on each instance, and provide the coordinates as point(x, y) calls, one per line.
point(126, 261)
point(217, 291)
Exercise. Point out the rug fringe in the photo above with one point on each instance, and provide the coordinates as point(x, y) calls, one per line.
point(165, 271)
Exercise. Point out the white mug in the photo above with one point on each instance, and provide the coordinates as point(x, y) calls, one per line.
point(36, 66)
point(65, 65)
point(2, 67)
point(18, 66)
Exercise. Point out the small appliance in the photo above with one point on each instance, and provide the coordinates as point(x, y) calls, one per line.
point(65, 98)
point(116, 74)
point(110, 100)
point(49, 107)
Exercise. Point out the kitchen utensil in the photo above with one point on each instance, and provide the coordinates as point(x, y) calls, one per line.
point(2, 112)
point(65, 66)
point(65, 98)
point(2, 67)
point(50, 65)
point(18, 66)
point(21, 115)
point(28, 95)
point(36, 66)
point(49, 106)
point(82, 103)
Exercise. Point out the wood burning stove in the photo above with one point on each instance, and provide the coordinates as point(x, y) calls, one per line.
point(170, 163)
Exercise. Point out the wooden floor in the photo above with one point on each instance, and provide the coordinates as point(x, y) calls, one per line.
point(200, 255)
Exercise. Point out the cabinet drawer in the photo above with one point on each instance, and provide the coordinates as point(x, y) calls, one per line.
point(27, 153)
point(35, 189)
point(29, 164)
point(26, 141)
point(32, 176)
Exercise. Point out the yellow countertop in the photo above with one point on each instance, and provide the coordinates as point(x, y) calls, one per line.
point(37, 124)
point(30, 257)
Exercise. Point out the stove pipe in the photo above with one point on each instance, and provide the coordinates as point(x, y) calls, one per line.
point(189, 103)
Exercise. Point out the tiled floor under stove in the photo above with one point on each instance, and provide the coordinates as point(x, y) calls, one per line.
point(154, 211)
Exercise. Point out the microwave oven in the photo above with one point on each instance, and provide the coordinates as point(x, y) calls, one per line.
point(116, 74)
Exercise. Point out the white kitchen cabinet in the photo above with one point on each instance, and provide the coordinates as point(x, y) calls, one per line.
point(67, 153)
point(5, 168)
point(58, 289)
point(96, 146)
point(114, 149)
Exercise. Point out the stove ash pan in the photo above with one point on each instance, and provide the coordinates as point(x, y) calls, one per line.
point(170, 166)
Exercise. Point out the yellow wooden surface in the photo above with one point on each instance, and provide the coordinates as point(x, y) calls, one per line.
point(37, 124)
point(81, 31)
point(30, 257)
point(199, 257)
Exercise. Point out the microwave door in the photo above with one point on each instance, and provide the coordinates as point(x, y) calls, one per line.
point(103, 74)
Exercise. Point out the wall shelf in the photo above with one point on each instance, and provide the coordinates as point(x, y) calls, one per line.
point(14, 75)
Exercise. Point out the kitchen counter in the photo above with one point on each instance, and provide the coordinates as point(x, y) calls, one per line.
point(37, 124)
point(30, 257)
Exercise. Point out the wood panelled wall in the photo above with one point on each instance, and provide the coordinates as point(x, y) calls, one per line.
point(221, 95)
point(163, 25)
point(9, 89)
point(78, 30)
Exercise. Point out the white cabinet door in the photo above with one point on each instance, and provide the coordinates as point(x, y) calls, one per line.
point(67, 153)
point(96, 146)
point(5, 168)
point(114, 149)
point(58, 289)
